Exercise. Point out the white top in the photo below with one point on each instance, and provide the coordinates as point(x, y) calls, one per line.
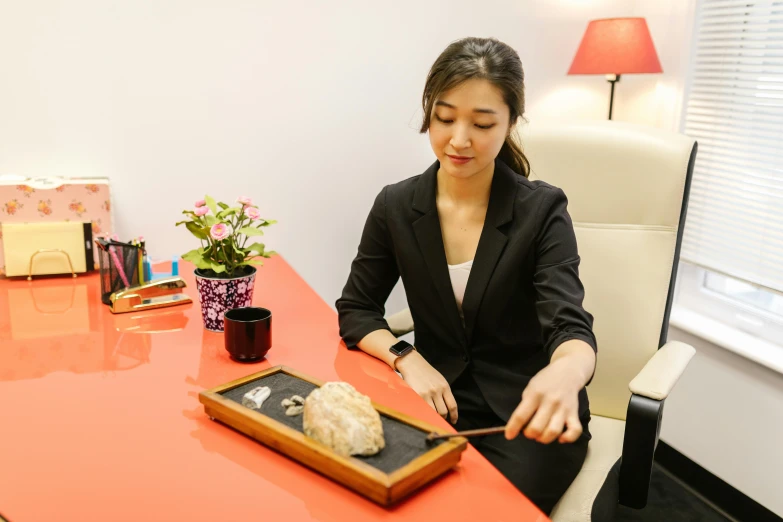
point(459, 280)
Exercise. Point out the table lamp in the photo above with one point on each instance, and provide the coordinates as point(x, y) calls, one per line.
point(616, 46)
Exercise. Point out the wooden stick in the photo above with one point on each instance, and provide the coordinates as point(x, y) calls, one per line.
point(469, 433)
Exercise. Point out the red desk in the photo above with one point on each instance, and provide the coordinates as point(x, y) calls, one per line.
point(101, 420)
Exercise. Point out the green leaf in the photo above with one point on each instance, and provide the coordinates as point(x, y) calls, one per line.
point(197, 258)
point(211, 220)
point(268, 222)
point(223, 206)
point(250, 231)
point(253, 262)
point(258, 248)
point(181, 222)
point(204, 264)
point(197, 231)
point(270, 254)
point(192, 255)
point(223, 214)
point(211, 204)
point(189, 212)
point(218, 268)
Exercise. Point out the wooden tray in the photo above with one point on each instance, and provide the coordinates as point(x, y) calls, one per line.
point(357, 473)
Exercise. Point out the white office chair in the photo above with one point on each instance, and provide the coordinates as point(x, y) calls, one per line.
point(627, 188)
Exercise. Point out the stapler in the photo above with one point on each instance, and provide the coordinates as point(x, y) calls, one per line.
point(155, 294)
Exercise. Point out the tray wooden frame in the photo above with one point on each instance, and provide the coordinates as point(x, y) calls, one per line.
point(383, 488)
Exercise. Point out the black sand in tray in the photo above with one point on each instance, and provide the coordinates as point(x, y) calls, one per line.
point(403, 443)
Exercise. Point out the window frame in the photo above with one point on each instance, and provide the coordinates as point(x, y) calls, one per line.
point(691, 291)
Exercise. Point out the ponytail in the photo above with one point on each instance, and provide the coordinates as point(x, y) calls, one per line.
point(511, 154)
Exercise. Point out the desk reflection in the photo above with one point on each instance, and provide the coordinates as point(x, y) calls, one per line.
point(63, 326)
point(216, 367)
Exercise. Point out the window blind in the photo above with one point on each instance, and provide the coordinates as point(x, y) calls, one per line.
point(734, 110)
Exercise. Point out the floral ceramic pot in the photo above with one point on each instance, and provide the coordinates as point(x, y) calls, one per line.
point(217, 295)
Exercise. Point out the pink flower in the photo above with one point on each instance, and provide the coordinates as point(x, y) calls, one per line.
point(252, 213)
point(200, 203)
point(201, 211)
point(246, 201)
point(219, 231)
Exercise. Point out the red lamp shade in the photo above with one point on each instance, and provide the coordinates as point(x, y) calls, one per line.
point(616, 46)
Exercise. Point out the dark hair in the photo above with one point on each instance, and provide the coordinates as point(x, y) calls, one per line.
point(487, 59)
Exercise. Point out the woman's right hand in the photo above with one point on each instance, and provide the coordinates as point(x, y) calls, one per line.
point(429, 384)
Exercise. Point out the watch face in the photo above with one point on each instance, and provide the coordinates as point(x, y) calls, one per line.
point(401, 347)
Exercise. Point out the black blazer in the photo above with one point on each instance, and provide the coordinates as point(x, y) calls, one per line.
point(523, 297)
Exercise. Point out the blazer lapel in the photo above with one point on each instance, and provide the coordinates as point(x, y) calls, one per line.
point(491, 243)
point(430, 240)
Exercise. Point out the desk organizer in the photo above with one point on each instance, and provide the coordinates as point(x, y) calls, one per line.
point(119, 264)
point(405, 465)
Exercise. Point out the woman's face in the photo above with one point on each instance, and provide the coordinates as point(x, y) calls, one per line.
point(468, 127)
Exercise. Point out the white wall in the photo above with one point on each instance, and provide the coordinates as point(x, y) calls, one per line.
point(640, 98)
point(725, 415)
point(310, 108)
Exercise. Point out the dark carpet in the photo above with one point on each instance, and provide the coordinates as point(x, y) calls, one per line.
point(669, 501)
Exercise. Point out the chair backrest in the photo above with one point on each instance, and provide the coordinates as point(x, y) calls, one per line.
point(627, 189)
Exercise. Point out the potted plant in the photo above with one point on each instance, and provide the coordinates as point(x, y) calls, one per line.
point(225, 262)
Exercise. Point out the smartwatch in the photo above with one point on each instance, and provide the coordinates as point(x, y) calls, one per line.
point(401, 348)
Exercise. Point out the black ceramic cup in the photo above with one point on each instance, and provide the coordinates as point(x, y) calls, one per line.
point(248, 333)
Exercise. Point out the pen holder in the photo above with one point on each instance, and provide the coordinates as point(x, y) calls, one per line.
point(119, 264)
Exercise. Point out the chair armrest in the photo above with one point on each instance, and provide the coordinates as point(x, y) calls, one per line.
point(642, 427)
point(400, 323)
point(662, 371)
point(643, 421)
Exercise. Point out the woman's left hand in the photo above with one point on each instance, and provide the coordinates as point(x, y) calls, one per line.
point(550, 401)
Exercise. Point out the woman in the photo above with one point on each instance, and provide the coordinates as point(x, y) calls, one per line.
point(490, 267)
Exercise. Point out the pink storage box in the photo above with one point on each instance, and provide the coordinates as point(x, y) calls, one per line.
point(27, 200)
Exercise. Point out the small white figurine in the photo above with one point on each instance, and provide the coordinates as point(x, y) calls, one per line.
point(294, 406)
point(256, 397)
point(293, 411)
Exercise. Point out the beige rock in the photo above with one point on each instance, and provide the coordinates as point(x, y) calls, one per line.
point(343, 419)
